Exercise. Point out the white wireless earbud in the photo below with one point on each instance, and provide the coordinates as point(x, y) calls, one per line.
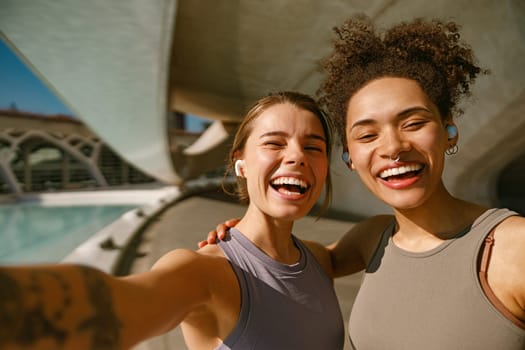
point(239, 163)
point(452, 131)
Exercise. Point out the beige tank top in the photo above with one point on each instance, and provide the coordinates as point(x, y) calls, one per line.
point(432, 300)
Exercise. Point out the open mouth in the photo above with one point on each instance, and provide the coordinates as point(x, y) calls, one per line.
point(402, 172)
point(288, 185)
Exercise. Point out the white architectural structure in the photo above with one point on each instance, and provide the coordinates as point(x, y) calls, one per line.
point(136, 60)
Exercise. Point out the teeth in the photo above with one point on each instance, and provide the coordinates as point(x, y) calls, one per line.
point(400, 170)
point(289, 181)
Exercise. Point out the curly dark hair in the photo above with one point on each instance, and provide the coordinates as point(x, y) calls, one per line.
point(429, 52)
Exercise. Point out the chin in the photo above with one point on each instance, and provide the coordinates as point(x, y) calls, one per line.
point(403, 201)
point(289, 215)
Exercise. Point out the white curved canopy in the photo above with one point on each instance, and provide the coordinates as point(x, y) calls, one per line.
point(109, 62)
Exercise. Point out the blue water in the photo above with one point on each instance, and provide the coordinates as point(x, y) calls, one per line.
point(32, 234)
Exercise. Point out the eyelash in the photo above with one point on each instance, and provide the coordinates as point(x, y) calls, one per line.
point(314, 148)
point(414, 124)
point(273, 144)
point(279, 144)
point(366, 137)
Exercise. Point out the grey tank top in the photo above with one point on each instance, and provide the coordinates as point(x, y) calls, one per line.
point(282, 306)
point(431, 300)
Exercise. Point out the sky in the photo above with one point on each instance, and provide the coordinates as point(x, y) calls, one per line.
point(20, 87)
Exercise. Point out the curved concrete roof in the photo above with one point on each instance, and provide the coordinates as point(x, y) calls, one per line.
point(123, 64)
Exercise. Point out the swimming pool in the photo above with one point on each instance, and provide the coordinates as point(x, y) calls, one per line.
point(34, 233)
point(70, 226)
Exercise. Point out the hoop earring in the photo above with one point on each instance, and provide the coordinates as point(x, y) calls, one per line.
point(452, 150)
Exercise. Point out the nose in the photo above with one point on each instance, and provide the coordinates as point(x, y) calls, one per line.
point(393, 143)
point(295, 155)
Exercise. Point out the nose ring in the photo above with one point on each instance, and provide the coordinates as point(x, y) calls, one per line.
point(397, 159)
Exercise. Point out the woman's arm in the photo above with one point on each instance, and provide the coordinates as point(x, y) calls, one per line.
point(78, 307)
point(348, 255)
point(57, 306)
point(351, 253)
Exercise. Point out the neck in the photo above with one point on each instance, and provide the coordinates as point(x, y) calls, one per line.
point(273, 236)
point(426, 226)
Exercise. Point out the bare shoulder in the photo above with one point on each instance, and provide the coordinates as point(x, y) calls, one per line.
point(509, 235)
point(513, 225)
point(205, 274)
point(507, 264)
point(208, 257)
point(509, 238)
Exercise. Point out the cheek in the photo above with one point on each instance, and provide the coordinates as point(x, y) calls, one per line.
point(434, 145)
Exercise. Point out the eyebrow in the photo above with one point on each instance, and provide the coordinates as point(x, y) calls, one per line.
point(282, 133)
point(403, 113)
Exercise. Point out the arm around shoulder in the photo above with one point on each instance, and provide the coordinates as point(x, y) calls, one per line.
point(352, 252)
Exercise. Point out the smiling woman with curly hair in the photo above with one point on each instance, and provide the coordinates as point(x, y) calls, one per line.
point(444, 273)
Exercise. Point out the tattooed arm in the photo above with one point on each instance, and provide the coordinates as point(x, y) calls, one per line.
point(39, 308)
point(77, 307)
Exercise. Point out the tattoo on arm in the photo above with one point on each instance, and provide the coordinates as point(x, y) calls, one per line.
point(27, 318)
point(104, 324)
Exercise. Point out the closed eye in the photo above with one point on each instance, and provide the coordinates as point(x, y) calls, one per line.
point(366, 137)
point(414, 125)
point(273, 144)
point(315, 148)
point(363, 133)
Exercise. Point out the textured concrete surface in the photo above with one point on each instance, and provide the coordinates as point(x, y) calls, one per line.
point(189, 221)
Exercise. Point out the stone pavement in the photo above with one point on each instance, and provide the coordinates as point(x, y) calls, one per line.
point(187, 222)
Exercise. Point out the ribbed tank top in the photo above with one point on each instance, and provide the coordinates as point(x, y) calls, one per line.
point(282, 306)
point(431, 300)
